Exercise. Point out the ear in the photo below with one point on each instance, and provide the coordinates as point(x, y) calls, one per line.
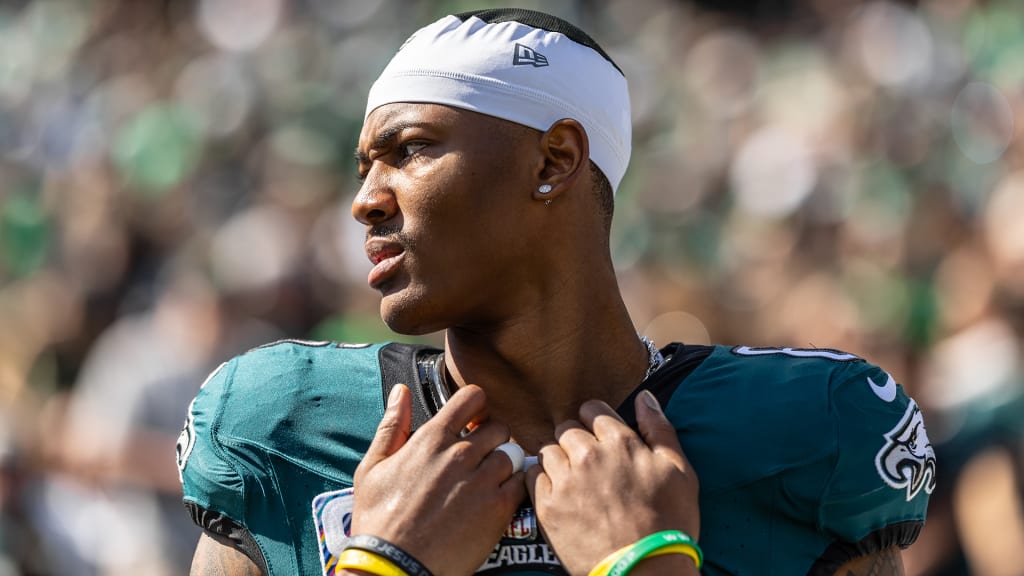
point(565, 151)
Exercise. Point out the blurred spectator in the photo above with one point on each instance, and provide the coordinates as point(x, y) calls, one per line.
point(121, 422)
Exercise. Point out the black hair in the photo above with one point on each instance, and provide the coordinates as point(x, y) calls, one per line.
point(542, 21)
point(604, 195)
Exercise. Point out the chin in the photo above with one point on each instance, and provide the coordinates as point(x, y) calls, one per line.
point(407, 315)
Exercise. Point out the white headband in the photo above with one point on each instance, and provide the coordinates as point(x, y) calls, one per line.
point(523, 74)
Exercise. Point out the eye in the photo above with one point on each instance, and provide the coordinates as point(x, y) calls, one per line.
point(410, 149)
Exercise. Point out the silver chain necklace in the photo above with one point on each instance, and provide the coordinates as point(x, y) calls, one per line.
point(654, 356)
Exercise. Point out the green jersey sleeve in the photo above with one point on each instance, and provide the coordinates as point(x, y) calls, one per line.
point(807, 458)
point(206, 476)
point(268, 432)
point(884, 465)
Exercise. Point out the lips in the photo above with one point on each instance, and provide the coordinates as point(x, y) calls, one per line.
point(385, 256)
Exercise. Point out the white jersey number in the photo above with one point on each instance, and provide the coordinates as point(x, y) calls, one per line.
point(797, 353)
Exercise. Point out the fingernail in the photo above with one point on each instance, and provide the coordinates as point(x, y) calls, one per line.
point(650, 401)
point(473, 425)
point(393, 396)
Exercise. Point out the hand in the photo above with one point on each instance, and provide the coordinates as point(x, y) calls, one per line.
point(602, 487)
point(443, 498)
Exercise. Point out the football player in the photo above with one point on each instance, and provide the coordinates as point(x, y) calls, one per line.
point(490, 153)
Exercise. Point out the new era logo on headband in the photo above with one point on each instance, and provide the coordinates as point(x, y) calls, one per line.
point(526, 55)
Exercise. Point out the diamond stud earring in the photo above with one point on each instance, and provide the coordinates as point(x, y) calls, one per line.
point(544, 189)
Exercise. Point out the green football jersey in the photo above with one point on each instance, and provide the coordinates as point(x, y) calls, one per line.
point(806, 458)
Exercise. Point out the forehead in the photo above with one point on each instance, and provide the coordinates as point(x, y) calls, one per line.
point(387, 120)
point(390, 117)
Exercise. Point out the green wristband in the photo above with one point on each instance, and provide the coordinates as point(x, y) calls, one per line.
point(650, 544)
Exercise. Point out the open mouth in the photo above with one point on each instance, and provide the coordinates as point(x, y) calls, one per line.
point(378, 257)
point(385, 257)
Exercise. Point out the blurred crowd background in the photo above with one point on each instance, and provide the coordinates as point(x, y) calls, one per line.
point(175, 180)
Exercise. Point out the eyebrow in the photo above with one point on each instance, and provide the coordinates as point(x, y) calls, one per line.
point(384, 138)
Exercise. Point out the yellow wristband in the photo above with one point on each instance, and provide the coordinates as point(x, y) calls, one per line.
point(609, 561)
point(687, 549)
point(620, 562)
point(367, 562)
point(605, 565)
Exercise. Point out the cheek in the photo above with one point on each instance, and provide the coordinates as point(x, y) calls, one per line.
point(458, 213)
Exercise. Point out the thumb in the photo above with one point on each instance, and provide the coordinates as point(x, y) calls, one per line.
point(392, 432)
point(659, 434)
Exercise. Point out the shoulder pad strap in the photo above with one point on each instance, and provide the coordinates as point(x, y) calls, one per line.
point(681, 361)
point(398, 365)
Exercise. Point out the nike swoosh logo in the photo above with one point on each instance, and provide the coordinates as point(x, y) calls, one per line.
point(886, 392)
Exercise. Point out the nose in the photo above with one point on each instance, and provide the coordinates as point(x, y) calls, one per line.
point(374, 203)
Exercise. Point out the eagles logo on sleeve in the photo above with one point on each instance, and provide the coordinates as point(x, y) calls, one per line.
point(186, 441)
point(187, 438)
point(907, 460)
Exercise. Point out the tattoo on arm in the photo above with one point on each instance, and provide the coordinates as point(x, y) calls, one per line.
point(888, 562)
point(216, 557)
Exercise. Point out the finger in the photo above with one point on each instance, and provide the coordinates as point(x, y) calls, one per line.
point(602, 421)
point(575, 440)
point(658, 433)
point(393, 430)
point(467, 406)
point(504, 461)
point(553, 460)
point(538, 483)
point(474, 448)
point(468, 454)
point(487, 436)
point(513, 491)
point(572, 429)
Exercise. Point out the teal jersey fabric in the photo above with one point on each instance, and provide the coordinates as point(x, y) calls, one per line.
point(268, 432)
point(806, 458)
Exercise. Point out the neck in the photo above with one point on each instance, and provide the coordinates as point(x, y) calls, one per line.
point(538, 368)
